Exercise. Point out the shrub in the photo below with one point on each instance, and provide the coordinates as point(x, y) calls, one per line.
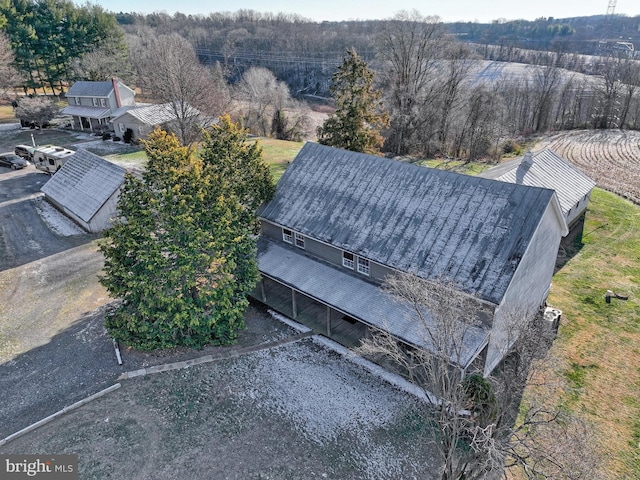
point(106, 136)
point(116, 139)
point(511, 146)
point(128, 136)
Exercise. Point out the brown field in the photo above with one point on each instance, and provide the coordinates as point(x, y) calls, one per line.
point(610, 157)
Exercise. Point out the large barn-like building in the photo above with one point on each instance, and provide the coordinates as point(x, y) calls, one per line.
point(86, 189)
point(341, 222)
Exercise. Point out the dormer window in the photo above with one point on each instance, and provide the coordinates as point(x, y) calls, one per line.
point(363, 266)
point(347, 260)
point(299, 240)
point(287, 235)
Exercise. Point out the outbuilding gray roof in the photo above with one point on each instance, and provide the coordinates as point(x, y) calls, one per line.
point(546, 169)
point(84, 183)
point(355, 297)
point(90, 89)
point(436, 224)
point(89, 112)
point(151, 114)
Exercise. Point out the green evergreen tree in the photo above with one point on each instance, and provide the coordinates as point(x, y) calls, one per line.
point(359, 115)
point(182, 256)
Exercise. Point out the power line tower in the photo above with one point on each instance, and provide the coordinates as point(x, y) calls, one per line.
point(603, 44)
point(611, 9)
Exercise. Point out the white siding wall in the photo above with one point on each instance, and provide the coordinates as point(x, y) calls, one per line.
point(528, 288)
point(102, 219)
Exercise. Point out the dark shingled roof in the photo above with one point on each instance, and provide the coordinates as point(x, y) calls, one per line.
point(436, 224)
point(90, 89)
point(84, 183)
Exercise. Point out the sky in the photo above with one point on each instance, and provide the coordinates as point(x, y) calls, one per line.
point(334, 10)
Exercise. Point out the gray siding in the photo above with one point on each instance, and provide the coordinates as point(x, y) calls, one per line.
point(328, 253)
point(528, 289)
point(436, 224)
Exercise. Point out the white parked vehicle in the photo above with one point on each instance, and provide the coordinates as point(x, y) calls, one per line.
point(50, 159)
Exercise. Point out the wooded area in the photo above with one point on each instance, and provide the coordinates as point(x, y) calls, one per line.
point(461, 90)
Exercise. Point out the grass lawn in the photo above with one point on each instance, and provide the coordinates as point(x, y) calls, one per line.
point(278, 154)
point(468, 168)
point(599, 343)
point(6, 114)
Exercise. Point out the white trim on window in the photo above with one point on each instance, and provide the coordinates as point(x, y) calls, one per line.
point(103, 102)
point(299, 238)
point(121, 126)
point(363, 266)
point(347, 260)
point(287, 235)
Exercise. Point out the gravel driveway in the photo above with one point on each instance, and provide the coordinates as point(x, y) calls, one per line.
point(54, 349)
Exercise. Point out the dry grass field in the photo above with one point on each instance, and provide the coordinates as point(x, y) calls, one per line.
point(598, 349)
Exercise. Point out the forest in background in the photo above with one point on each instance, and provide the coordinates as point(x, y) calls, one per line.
point(459, 90)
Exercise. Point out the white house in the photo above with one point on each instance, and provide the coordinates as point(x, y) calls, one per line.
point(92, 104)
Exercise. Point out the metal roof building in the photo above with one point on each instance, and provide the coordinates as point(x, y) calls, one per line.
point(86, 189)
point(485, 237)
point(549, 170)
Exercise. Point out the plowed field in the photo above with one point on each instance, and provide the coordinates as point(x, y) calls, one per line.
point(609, 157)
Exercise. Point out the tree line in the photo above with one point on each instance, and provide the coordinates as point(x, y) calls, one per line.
point(435, 88)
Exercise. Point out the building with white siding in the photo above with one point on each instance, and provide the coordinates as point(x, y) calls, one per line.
point(86, 189)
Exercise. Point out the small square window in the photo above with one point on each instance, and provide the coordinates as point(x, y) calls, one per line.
point(363, 266)
point(287, 235)
point(347, 260)
point(299, 240)
point(103, 102)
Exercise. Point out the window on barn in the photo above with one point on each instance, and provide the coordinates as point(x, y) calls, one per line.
point(363, 266)
point(299, 240)
point(121, 126)
point(347, 260)
point(287, 235)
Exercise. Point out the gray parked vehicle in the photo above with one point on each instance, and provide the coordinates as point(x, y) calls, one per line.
point(25, 151)
point(12, 161)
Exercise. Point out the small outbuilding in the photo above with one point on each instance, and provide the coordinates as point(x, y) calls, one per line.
point(86, 189)
point(547, 169)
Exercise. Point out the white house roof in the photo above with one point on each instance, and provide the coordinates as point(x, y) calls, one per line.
point(549, 170)
point(89, 112)
point(436, 224)
point(84, 183)
point(151, 114)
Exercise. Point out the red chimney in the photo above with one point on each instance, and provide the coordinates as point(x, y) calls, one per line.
point(114, 82)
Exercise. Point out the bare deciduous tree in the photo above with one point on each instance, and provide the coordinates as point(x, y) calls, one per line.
point(36, 110)
point(409, 48)
point(479, 424)
point(168, 68)
point(263, 94)
point(9, 76)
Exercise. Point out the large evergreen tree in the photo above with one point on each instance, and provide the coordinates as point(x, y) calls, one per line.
point(359, 116)
point(47, 36)
point(182, 256)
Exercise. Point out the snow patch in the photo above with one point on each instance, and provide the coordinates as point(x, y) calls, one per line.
point(57, 221)
point(391, 378)
point(321, 397)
